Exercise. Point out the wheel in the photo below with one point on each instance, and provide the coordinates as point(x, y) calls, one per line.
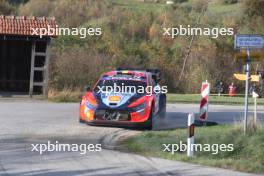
point(150, 120)
point(81, 120)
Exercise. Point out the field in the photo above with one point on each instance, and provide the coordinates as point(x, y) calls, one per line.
point(247, 156)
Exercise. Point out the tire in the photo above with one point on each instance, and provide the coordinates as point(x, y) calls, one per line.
point(81, 120)
point(150, 120)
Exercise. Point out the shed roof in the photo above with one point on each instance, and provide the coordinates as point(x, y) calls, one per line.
point(23, 26)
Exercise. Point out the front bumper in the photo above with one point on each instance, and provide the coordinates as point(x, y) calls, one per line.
point(120, 116)
point(120, 123)
point(112, 115)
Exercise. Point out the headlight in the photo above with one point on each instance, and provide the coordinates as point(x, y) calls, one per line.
point(140, 108)
point(90, 102)
point(90, 108)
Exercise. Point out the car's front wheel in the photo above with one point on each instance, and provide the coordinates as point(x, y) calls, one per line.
point(150, 120)
point(81, 120)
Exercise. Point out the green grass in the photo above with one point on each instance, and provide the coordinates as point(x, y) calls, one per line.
point(213, 99)
point(247, 156)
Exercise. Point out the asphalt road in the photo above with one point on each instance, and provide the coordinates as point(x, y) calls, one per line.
point(23, 123)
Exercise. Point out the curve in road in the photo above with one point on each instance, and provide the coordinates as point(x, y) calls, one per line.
point(23, 123)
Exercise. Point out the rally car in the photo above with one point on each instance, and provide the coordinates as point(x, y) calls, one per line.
point(104, 105)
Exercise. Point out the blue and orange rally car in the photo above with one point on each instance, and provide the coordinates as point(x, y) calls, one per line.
point(125, 98)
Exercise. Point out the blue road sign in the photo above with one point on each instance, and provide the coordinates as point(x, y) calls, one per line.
point(243, 41)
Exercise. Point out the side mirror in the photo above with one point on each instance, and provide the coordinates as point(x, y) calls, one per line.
point(87, 88)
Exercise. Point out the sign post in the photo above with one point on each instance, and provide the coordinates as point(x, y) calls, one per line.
point(248, 42)
point(246, 90)
point(255, 96)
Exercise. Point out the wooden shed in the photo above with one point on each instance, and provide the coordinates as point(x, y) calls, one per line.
point(24, 55)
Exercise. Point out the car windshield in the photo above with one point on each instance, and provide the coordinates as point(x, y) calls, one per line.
point(121, 86)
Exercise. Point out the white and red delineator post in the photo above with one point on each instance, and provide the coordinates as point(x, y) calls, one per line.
point(205, 92)
point(190, 139)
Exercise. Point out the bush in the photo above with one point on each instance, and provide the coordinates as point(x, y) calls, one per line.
point(68, 13)
point(76, 67)
point(180, 1)
point(6, 8)
point(228, 1)
point(199, 5)
point(37, 8)
point(253, 8)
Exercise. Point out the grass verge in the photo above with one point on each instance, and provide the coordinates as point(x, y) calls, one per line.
point(70, 95)
point(247, 156)
point(213, 99)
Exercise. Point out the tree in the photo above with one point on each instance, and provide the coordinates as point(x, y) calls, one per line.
point(253, 7)
point(5, 8)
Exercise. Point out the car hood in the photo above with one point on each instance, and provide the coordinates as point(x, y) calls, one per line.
point(116, 99)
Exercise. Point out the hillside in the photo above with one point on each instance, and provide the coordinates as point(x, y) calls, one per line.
point(132, 35)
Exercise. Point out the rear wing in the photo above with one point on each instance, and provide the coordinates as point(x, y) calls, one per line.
point(156, 74)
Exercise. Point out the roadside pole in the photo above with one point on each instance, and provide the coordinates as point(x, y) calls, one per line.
point(250, 43)
point(190, 139)
point(205, 92)
point(255, 96)
point(246, 90)
point(255, 114)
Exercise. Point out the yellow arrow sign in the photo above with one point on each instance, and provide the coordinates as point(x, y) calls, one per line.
point(242, 77)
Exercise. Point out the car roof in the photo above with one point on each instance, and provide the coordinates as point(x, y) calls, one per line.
point(127, 72)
